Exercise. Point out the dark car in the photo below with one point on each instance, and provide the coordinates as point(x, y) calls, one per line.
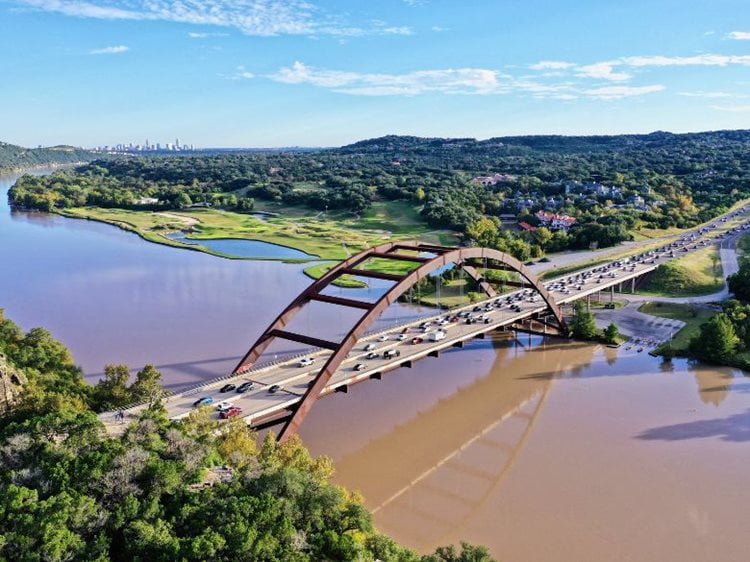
point(359, 367)
point(228, 388)
point(244, 387)
point(371, 355)
point(392, 353)
point(205, 401)
point(273, 389)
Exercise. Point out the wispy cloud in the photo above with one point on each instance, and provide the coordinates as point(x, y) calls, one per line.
point(205, 35)
point(450, 81)
point(741, 35)
point(695, 60)
point(602, 71)
point(252, 17)
point(110, 50)
point(551, 65)
point(702, 94)
point(732, 108)
point(618, 92)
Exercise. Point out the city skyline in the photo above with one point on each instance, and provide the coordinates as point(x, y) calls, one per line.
point(325, 73)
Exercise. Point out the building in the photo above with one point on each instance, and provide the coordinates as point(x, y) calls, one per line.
point(554, 221)
point(494, 179)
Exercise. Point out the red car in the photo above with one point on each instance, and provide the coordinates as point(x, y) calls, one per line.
point(230, 413)
point(417, 340)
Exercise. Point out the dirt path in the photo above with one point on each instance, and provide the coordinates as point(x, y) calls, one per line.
point(187, 221)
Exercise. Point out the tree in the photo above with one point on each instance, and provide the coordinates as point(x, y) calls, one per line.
point(112, 390)
point(147, 386)
point(717, 341)
point(583, 325)
point(739, 283)
point(611, 333)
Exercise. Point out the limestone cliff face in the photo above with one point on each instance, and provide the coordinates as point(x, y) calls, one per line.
point(11, 385)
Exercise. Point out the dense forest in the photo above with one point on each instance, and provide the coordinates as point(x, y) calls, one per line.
point(14, 157)
point(162, 491)
point(660, 180)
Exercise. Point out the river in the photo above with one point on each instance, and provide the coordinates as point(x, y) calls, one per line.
point(541, 450)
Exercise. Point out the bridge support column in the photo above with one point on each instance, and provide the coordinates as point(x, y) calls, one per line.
point(458, 344)
point(632, 286)
point(612, 294)
point(433, 354)
point(588, 303)
point(406, 364)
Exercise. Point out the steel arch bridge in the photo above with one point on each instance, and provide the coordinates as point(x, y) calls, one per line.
point(427, 258)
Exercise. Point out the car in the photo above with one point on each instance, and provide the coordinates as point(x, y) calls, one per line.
point(384, 337)
point(221, 406)
point(372, 355)
point(369, 347)
point(274, 388)
point(230, 413)
point(392, 353)
point(228, 387)
point(401, 337)
point(306, 362)
point(205, 401)
point(244, 387)
point(417, 340)
point(360, 367)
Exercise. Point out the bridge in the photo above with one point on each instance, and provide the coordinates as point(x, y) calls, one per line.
point(283, 392)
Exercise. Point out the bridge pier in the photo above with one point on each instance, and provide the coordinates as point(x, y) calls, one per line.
point(343, 388)
point(458, 344)
point(376, 376)
point(406, 364)
point(433, 354)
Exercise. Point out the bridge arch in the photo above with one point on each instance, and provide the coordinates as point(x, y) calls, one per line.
point(428, 257)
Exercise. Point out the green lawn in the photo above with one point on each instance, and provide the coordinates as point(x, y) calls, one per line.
point(693, 317)
point(698, 273)
point(332, 236)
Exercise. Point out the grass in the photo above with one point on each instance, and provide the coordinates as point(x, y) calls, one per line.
point(698, 273)
point(346, 281)
point(693, 317)
point(331, 236)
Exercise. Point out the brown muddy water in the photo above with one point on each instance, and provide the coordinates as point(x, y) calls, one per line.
point(541, 450)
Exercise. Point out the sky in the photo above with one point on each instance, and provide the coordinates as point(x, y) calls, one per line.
point(267, 73)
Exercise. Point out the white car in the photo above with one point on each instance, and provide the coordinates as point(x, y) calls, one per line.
point(384, 337)
point(306, 362)
point(369, 347)
point(221, 406)
point(401, 337)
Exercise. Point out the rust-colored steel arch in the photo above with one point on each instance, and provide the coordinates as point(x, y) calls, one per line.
point(468, 258)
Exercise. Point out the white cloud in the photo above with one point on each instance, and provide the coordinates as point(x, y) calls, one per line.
point(617, 92)
point(602, 71)
point(438, 28)
point(741, 35)
point(252, 17)
point(732, 108)
point(403, 30)
point(110, 50)
point(241, 74)
point(205, 35)
point(702, 94)
point(696, 60)
point(551, 65)
point(447, 81)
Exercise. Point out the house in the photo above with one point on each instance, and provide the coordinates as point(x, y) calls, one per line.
point(526, 226)
point(554, 221)
point(494, 179)
point(147, 201)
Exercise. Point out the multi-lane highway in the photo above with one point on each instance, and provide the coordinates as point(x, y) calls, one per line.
point(277, 387)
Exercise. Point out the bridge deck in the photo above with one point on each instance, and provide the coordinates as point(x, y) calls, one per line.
point(259, 405)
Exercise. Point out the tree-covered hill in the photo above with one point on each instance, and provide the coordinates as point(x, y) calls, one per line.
point(163, 491)
point(14, 157)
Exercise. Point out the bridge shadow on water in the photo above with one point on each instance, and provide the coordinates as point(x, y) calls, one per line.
point(734, 429)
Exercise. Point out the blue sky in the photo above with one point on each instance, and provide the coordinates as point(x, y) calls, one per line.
point(329, 72)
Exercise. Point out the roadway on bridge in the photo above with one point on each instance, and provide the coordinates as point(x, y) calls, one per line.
point(259, 403)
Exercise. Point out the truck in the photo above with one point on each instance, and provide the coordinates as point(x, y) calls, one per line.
point(437, 336)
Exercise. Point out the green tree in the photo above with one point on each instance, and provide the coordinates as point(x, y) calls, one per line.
point(611, 333)
point(739, 283)
point(112, 390)
point(583, 325)
point(717, 341)
point(147, 386)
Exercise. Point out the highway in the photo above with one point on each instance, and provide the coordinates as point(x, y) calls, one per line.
point(259, 404)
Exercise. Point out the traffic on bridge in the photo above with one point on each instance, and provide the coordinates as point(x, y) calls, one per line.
point(284, 391)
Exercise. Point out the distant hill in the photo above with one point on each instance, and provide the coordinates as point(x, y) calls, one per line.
point(18, 157)
point(544, 143)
